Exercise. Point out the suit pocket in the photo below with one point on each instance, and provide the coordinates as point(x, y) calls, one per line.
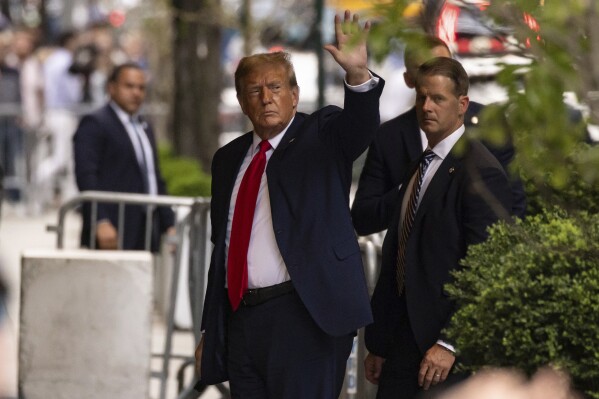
point(346, 248)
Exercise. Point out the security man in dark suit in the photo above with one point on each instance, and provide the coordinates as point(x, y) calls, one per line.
point(287, 292)
point(115, 151)
point(454, 191)
point(399, 142)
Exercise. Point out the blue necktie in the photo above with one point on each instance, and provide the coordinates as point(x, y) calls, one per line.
point(408, 220)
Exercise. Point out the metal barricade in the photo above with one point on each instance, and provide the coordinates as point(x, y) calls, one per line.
point(194, 228)
point(371, 258)
point(32, 146)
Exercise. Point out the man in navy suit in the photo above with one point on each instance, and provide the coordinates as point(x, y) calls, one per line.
point(115, 150)
point(306, 295)
point(440, 211)
point(399, 142)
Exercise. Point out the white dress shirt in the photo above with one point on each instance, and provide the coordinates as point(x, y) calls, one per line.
point(441, 150)
point(265, 263)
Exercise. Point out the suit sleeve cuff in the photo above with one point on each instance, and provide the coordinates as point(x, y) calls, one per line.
point(366, 86)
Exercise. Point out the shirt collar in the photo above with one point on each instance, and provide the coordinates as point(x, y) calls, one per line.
point(122, 114)
point(443, 148)
point(274, 142)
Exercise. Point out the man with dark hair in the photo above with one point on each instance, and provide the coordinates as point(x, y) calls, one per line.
point(450, 195)
point(115, 150)
point(400, 141)
point(286, 287)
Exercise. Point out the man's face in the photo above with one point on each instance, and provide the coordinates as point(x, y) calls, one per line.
point(439, 111)
point(268, 100)
point(129, 90)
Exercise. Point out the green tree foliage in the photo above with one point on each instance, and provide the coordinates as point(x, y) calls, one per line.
point(529, 296)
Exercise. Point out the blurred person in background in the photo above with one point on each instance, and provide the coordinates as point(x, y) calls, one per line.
point(115, 150)
point(1, 189)
point(63, 93)
point(134, 47)
point(26, 58)
point(11, 135)
point(94, 58)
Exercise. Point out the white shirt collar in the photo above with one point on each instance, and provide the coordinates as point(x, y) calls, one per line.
point(124, 116)
point(274, 142)
point(444, 146)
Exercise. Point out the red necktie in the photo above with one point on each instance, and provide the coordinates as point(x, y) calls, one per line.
point(241, 228)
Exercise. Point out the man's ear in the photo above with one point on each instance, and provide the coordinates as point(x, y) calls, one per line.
point(295, 91)
point(407, 77)
point(463, 104)
point(241, 104)
point(110, 89)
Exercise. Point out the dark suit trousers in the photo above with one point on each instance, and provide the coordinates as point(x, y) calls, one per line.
point(399, 376)
point(276, 351)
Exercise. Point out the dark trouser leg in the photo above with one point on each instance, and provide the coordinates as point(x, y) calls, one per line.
point(276, 351)
point(399, 377)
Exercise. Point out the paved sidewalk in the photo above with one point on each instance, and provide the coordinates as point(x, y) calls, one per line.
point(19, 232)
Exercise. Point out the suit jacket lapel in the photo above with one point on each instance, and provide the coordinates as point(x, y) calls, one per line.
point(288, 140)
point(438, 185)
point(232, 168)
point(120, 130)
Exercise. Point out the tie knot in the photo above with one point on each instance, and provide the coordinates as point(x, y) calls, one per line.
point(427, 156)
point(264, 146)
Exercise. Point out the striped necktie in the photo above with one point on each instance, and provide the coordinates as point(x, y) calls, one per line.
point(408, 219)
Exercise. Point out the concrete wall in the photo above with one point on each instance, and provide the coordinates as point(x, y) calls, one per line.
point(85, 324)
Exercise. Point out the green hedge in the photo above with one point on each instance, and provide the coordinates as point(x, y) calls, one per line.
point(183, 176)
point(576, 195)
point(529, 296)
point(575, 188)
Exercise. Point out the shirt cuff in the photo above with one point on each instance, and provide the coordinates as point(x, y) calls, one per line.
point(366, 86)
point(446, 346)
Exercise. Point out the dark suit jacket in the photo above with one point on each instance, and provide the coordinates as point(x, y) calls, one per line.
point(309, 178)
point(452, 215)
point(105, 161)
point(397, 145)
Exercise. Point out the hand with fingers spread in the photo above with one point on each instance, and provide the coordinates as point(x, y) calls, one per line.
point(435, 366)
point(350, 52)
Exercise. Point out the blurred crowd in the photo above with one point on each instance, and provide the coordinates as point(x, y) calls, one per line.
point(45, 86)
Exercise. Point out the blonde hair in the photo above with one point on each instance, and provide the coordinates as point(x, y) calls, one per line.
point(250, 63)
